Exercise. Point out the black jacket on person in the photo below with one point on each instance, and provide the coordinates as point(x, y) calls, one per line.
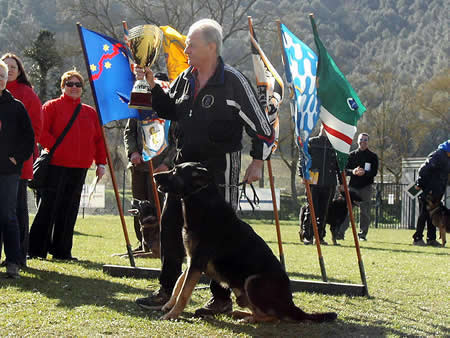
point(433, 173)
point(16, 134)
point(323, 160)
point(211, 124)
point(359, 158)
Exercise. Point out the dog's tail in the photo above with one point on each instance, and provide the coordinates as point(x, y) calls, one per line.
point(300, 315)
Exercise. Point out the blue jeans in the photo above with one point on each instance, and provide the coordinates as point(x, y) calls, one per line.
point(9, 226)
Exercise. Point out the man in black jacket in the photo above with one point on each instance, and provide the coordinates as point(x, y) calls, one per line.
point(362, 167)
point(16, 146)
point(324, 169)
point(432, 180)
point(212, 103)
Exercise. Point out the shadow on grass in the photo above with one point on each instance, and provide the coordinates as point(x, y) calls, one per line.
point(412, 251)
point(86, 235)
point(75, 291)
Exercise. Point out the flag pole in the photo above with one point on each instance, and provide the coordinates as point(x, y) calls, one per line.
point(154, 190)
point(355, 235)
point(275, 213)
point(110, 165)
point(272, 185)
point(307, 186)
point(316, 231)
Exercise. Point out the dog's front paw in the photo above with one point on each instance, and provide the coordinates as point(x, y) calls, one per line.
point(172, 315)
point(167, 307)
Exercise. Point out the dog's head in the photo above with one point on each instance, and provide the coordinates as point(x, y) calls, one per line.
point(146, 212)
point(183, 179)
point(432, 201)
point(354, 197)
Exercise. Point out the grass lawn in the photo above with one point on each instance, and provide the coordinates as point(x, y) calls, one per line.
point(408, 286)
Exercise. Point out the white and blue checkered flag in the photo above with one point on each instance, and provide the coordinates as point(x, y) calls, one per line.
point(301, 69)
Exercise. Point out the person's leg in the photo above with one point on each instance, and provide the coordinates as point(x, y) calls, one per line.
point(8, 223)
point(139, 191)
point(326, 197)
point(23, 220)
point(420, 226)
point(67, 214)
point(42, 227)
point(365, 209)
point(172, 253)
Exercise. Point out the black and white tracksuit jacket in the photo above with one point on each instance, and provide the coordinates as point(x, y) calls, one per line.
point(211, 124)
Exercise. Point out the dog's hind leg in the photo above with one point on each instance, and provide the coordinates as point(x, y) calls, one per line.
point(190, 281)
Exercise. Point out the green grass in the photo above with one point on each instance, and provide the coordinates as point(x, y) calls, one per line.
point(408, 289)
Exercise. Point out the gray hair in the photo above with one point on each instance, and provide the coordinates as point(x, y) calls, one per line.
point(211, 31)
point(4, 66)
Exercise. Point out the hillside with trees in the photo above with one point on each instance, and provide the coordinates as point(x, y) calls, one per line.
point(394, 53)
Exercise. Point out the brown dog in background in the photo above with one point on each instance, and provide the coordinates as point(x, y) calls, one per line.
point(439, 215)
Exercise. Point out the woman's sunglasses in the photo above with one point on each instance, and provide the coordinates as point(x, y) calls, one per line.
point(76, 84)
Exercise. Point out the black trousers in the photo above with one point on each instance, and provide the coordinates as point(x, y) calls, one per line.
point(141, 188)
point(424, 217)
point(53, 226)
point(172, 248)
point(22, 220)
point(321, 197)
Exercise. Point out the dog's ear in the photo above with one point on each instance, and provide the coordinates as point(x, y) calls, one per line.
point(200, 175)
point(135, 203)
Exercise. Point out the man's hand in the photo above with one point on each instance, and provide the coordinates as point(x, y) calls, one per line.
point(136, 158)
point(146, 73)
point(160, 168)
point(359, 171)
point(13, 160)
point(100, 171)
point(254, 171)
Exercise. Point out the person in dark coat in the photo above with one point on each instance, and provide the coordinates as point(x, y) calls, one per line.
point(432, 180)
point(212, 103)
point(17, 142)
point(362, 167)
point(324, 164)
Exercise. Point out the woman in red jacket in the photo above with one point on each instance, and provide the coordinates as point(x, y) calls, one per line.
point(53, 226)
point(19, 86)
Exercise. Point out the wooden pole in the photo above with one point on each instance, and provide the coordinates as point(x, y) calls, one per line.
point(275, 213)
point(272, 185)
point(316, 231)
point(110, 165)
point(355, 235)
point(155, 190)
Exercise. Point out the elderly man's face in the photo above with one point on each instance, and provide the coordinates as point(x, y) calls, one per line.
point(198, 51)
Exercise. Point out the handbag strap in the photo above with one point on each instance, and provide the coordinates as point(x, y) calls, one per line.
point(66, 129)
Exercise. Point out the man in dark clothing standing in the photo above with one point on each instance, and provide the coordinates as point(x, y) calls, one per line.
point(324, 164)
point(16, 146)
point(433, 177)
point(212, 103)
point(362, 167)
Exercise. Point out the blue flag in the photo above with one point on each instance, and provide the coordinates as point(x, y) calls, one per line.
point(301, 70)
point(110, 75)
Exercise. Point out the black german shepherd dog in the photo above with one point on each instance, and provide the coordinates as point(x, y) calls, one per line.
point(227, 249)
